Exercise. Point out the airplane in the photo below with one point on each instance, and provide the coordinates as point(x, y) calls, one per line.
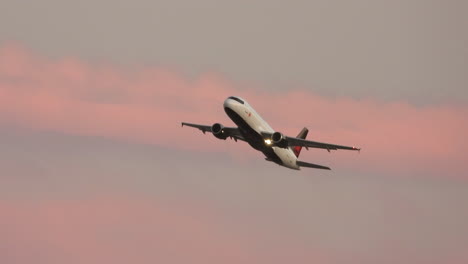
point(251, 128)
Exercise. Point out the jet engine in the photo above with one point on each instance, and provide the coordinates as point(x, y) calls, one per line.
point(279, 140)
point(218, 131)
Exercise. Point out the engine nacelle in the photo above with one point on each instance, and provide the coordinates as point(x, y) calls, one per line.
point(218, 131)
point(279, 140)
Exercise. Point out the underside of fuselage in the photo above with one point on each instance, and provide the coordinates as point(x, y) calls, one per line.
point(253, 138)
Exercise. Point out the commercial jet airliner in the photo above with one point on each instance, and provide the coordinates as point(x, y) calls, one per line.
point(251, 128)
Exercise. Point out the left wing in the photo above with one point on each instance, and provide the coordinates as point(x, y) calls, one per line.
point(293, 141)
point(232, 132)
point(203, 128)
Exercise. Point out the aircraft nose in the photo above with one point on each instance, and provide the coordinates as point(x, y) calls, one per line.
point(233, 102)
point(228, 103)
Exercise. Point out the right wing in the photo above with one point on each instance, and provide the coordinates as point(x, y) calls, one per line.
point(294, 141)
point(232, 132)
point(314, 144)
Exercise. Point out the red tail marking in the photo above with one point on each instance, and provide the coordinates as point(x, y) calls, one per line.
point(297, 150)
point(302, 135)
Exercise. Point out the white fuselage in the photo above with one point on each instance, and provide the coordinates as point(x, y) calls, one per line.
point(251, 123)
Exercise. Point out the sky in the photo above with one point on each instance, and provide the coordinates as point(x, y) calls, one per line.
point(95, 168)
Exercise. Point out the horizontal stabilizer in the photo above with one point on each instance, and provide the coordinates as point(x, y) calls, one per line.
point(311, 165)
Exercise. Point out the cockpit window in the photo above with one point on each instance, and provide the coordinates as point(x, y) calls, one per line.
point(236, 99)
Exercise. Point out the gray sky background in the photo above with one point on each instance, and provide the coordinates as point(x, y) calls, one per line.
point(353, 218)
point(395, 50)
point(405, 51)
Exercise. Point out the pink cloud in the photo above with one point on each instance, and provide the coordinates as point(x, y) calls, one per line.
point(147, 104)
point(131, 230)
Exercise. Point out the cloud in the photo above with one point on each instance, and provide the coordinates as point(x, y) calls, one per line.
point(146, 104)
point(121, 230)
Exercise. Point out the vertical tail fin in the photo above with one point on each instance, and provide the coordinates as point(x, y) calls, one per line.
point(302, 135)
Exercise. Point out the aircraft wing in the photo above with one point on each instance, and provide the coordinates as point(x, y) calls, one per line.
point(232, 132)
point(293, 141)
point(314, 144)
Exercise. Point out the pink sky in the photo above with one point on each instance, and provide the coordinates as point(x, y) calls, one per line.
point(147, 104)
point(95, 167)
point(128, 229)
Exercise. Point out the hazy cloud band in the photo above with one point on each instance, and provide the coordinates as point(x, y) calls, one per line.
point(146, 105)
